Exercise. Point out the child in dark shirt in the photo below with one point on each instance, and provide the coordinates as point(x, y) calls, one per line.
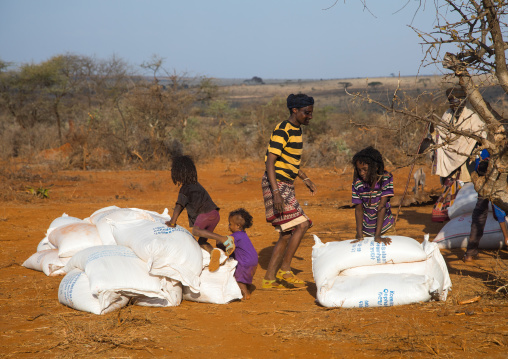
point(245, 253)
point(202, 212)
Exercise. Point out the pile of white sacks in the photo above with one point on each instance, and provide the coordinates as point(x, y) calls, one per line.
point(456, 232)
point(370, 274)
point(119, 256)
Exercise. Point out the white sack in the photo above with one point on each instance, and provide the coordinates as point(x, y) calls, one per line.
point(465, 201)
point(72, 238)
point(455, 233)
point(330, 259)
point(168, 252)
point(219, 287)
point(74, 292)
point(44, 244)
point(102, 221)
point(46, 261)
point(159, 217)
point(174, 290)
point(376, 290)
point(64, 220)
point(116, 270)
point(100, 212)
point(434, 267)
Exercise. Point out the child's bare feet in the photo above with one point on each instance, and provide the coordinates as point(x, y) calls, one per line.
point(245, 290)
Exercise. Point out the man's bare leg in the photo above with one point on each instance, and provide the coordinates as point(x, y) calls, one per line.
point(277, 255)
point(292, 246)
point(505, 232)
point(285, 249)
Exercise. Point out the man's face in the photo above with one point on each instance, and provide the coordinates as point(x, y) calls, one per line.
point(304, 115)
point(456, 103)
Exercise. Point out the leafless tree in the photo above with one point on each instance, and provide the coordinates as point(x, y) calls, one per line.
point(469, 43)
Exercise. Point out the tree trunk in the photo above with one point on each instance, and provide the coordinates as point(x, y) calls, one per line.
point(58, 122)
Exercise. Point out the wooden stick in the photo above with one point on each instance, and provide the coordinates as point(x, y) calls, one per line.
point(468, 301)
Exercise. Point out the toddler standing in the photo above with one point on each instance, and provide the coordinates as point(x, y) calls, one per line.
point(244, 254)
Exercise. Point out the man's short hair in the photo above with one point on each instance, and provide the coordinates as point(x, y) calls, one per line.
point(456, 92)
point(299, 101)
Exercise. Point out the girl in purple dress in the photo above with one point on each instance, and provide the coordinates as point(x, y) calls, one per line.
point(372, 190)
point(245, 253)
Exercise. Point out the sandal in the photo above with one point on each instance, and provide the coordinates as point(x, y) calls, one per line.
point(214, 260)
point(230, 245)
point(290, 278)
point(271, 284)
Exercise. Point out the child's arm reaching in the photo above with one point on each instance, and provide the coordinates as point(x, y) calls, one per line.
point(176, 212)
point(227, 241)
point(359, 222)
point(379, 224)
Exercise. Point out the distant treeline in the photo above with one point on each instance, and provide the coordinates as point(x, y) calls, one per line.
point(75, 111)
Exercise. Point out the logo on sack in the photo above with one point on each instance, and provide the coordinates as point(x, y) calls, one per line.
point(385, 298)
point(168, 230)
point(356, 247)
point(67, 287)
point(363, 304)
point(378, 252)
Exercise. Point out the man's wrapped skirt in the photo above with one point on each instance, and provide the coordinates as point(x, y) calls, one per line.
point(293, 213)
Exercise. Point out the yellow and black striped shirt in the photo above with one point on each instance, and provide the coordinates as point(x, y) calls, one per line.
point(287, 144)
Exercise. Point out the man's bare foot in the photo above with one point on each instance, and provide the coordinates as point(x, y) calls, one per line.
point(245, 290)
point(469, 258)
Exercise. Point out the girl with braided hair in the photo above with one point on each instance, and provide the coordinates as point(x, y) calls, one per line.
point(372, 189)
point(202, 212)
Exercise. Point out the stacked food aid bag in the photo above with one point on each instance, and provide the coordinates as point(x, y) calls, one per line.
point(371, 274)
point(121, 256)
point(456, 232)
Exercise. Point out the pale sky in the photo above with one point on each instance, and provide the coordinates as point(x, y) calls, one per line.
point(272, 39)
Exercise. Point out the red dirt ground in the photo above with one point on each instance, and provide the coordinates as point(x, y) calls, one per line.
point(272, 324)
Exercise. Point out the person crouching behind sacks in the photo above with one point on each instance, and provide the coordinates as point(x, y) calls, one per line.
point(372, 189)
point(244, 254)
point(282, 161)
point(481, 212)
point(202, 212)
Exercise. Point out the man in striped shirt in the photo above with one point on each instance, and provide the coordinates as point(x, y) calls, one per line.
point(283, 211)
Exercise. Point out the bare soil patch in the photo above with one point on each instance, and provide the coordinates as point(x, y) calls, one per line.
point(271, 324)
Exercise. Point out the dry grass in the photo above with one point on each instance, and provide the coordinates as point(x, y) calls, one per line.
point(271, 324)
point(81, 334)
